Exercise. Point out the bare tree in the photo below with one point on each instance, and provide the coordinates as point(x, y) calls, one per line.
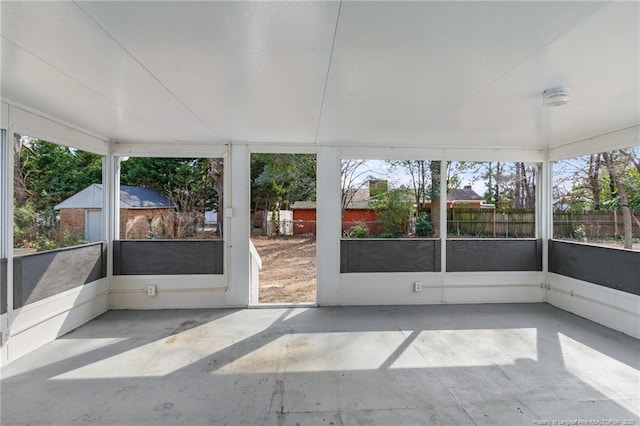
point(216, 171)
point(19, 184)
point(621, 193)
point(352, 178)
point(593, 178)
point(632, 156)
point(524, 186)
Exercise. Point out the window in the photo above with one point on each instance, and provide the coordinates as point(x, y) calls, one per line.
point(171, 198)
point(491, 199)
point(390, 198)
point(596, 198)
point(53, 191)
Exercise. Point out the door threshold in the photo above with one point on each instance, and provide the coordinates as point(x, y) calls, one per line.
point(283, 305)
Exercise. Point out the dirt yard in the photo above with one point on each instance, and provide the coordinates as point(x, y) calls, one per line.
point(288, 272)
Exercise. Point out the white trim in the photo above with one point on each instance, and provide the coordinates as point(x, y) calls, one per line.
point(618, 139)
point(17, 105)
point(38, 126)
point(177, 150)
point(4, 116)
point(389, 153)
point(484, 154)
point(282, 149)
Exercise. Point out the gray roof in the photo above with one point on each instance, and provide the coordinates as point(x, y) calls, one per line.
point(303, 205)
point(464, 194)
point(131, 197)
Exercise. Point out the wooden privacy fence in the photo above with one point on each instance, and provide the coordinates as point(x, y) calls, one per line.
point(595, 224)
point(469, 222)
point(521, 223)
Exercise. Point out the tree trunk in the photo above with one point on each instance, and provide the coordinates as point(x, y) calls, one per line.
point(529, 187)
point(19, 187)
point(594, 179)
point(435, 201)
point(518, 187)
point(624, 201)
point(216, 169)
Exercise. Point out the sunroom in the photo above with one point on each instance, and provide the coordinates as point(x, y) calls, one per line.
point(537, 86)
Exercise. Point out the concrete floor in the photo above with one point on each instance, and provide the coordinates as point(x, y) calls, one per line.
point(513, 364)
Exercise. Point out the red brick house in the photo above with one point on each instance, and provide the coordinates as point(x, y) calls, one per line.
point(464, 196)
point(142, 212)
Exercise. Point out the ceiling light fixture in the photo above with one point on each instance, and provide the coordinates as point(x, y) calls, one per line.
point(556, 97)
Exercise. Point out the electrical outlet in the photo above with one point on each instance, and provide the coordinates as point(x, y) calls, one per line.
point(151, 290)
point(417, 286)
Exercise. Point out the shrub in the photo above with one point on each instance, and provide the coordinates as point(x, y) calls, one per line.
point(359, 230)
point(424, 226)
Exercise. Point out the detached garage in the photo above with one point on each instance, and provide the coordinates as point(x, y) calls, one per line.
point(143, 212)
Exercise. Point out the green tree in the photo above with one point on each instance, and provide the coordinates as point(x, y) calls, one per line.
point(393, 209)
point(187, 182)
point(53, 173)
point(277, 180)
point(46, 174)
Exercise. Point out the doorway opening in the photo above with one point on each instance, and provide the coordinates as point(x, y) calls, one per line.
point(283, 228)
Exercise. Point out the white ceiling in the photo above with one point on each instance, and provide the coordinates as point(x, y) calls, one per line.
point(420, 74)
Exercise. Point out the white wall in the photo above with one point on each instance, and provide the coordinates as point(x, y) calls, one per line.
point(172, 291)
point(39, 323)
point(452, 287)
point(612, 308)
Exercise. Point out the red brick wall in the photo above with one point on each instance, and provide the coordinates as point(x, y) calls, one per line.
point(137, 224)
point(134, 223)
point(72, 220)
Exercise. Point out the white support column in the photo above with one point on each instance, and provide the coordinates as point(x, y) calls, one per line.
point(115, 196)
point(6, 216)
point(5, 242)
point(110, 175)
point(545, 213)
point(443, 222)
point(328, 227)
point(237, 225)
